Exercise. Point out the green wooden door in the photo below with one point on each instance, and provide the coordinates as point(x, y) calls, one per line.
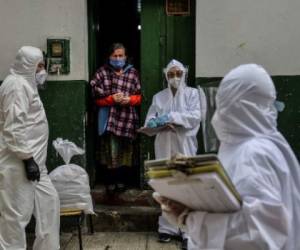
point(162, 39)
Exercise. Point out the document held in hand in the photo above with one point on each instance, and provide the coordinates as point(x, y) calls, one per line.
point(199, 182)
point(156, 130)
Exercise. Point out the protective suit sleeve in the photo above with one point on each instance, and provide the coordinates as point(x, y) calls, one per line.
point(206, 231)
point(15, 106)
point(262, 223)
point(190, 117)
point(152, 112)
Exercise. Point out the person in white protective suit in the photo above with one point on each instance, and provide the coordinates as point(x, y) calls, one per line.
point(25, 187)
point(260, 163)
point(178, 108)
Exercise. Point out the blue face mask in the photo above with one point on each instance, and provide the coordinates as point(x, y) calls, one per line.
point(117, 63)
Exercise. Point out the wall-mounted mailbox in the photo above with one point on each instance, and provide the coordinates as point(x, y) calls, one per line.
point(58, 55)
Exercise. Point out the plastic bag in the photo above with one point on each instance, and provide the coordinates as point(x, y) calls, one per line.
point(71, 181)
point(66, 149)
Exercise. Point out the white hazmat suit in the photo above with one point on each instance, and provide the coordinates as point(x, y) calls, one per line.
point(183, 110)
point(260, 163)
point(24, 134)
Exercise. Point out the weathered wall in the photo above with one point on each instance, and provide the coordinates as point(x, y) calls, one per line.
point(232, 32)
point(30, 22)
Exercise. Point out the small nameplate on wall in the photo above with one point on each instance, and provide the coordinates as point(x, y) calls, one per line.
point(178, 7)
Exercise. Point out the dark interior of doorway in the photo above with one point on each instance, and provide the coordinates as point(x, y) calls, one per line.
point(117, 21)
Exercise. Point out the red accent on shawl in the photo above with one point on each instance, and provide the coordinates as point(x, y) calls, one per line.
point(135, 100)
point(106, 101)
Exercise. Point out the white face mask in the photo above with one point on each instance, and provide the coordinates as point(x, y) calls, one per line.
point(174, 82)
point(41, 77)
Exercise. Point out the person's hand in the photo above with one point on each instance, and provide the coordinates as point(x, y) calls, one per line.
point(125, 100)
point(32, 169)
point(174, 212)
point(170, 127)
point(118, 97)
point(169, 205)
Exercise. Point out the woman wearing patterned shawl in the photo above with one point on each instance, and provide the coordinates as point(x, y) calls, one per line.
point(117, 91)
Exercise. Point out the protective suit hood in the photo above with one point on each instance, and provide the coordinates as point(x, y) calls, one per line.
point(26, 62)
point(245, 104)
point(174, 63)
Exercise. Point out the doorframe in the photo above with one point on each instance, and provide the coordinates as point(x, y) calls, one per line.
point(90, 124)
point(93, 27)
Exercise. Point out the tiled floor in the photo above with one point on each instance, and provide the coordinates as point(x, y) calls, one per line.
point(118, 241)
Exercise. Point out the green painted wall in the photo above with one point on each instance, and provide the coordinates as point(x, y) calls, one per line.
point(65, 106)
point(65, 103)
point(288, 91)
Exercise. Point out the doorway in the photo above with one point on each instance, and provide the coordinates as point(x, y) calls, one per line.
point(110, 22)
point(152, 38)
point(116, 21)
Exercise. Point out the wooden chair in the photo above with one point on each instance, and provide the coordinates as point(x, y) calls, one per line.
point(78, 214)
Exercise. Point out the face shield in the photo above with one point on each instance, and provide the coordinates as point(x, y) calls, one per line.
point(175, 74)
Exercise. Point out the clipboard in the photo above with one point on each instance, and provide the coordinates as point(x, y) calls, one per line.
point(200, 182)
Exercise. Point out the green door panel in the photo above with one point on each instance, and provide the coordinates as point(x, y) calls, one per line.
point(162, 39)
point(65, 106)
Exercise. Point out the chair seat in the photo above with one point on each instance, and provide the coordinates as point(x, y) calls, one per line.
point(79, 214)
point(70, 211)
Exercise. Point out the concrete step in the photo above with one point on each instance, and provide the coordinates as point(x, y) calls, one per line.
point(125, 218)
point(131, 197)
point(133, 210)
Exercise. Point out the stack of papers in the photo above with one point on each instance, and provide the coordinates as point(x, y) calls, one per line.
point(200, 182)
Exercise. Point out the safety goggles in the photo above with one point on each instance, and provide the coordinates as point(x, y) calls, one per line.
point(172, 74)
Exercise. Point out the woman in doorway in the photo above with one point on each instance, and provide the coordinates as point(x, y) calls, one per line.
point(117, 91)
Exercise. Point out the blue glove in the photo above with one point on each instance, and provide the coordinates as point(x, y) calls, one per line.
point(152, 123)
point(162, 120)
